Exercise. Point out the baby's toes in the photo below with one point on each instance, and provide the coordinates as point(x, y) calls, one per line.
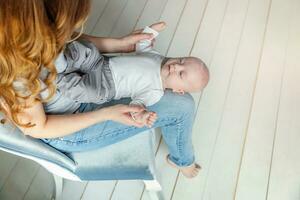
point(197, 166)
point(153, 114)
point(194, 174)
point(152, 119)
point(149, 124)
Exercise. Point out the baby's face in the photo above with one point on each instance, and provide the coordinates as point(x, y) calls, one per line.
point(186, 74)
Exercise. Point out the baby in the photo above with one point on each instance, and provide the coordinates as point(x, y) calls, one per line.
point(143, 76)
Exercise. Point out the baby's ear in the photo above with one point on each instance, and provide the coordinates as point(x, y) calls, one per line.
point(180, 91)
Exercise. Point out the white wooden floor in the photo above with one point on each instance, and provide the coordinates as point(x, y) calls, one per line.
point(247, 129)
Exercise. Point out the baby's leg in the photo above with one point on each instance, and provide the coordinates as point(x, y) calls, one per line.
point(179, 110)
point(188, 171)
point(151, 119)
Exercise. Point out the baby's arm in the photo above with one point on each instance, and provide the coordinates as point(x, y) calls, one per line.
point(145, 99)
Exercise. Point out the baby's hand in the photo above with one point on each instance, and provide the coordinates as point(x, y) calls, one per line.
point(158, 26)
point(147, 118)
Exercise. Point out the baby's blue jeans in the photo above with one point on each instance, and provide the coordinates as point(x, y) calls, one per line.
point(175, 118)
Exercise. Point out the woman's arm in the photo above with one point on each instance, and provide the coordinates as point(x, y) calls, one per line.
point(104, 44)
point(117, 45)
point(52, 126)
point(124, 44)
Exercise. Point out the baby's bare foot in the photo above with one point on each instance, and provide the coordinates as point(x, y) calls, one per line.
point(189, 171)
point(151, 119)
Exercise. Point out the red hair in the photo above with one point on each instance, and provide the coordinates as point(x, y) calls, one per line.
point(33, 33)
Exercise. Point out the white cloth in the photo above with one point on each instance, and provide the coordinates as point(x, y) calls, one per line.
point(138, 76)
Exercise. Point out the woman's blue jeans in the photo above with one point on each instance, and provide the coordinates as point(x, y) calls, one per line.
point(175, 118)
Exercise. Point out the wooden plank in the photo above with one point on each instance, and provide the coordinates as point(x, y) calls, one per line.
point(129, 17)
point(131, 189)
point(98, 190)
point(7, 164)
point(19, 180)
point(209, 31)
point(151, 13)
point(187, 29)
point(73, 189)
point(42, 186)
point(171, 15)
point(221, 61)
point(255, 166)
point(222, 177)
point(284, 178)
point(97, 10)
point(109, 17)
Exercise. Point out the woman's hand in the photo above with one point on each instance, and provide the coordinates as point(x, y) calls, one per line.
point(121, 113)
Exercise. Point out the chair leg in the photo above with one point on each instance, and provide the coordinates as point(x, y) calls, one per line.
point(154, 189)
point(152, 185)
point(58, 181)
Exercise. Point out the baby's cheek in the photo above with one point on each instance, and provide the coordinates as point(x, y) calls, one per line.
point(179, 84)
point(173, 83)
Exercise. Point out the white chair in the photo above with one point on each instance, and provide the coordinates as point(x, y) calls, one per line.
point(129, 159)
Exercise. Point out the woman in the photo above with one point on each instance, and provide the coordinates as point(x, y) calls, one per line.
point(34, 34)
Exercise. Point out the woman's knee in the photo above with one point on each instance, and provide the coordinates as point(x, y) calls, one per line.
point(176, 103)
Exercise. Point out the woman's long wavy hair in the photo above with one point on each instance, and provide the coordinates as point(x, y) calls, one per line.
point(32, 34)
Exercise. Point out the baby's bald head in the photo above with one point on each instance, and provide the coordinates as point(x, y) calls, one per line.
point(199, 74)
point(187, 74)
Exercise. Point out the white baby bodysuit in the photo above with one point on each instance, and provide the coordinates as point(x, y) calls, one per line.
point(138, 76)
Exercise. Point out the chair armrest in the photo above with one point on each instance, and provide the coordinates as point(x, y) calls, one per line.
point(13, 139)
